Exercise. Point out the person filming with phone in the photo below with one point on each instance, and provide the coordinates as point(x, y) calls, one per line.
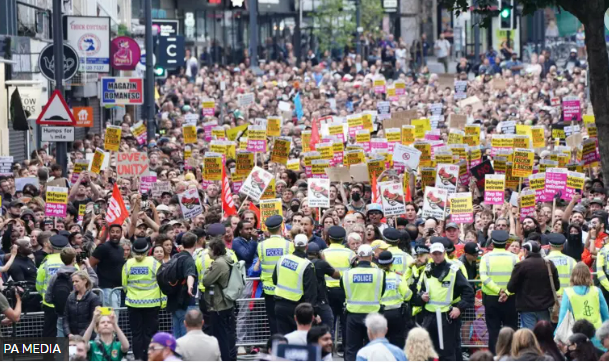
point(105, 347)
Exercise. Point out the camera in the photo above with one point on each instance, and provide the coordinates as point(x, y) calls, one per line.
point(81, 256)
point(11, 290)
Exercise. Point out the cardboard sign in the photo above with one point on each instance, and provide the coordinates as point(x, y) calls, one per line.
point(537, 182)
point(98, 161)
point(269, 208)
point(256, 139)
point(461, 208)
point(338, 174)
point(499, 84)
point(523, 162)
point(446, 80)
point(400, 118)
point(494, 189)
point(190, 134)
point(112, 140)
point(212, 166)
point(255, 184)
point(392, 198)
point(273, 126)
point(131, 163)
point(457, 121)
point(281, 150)
point(159, 187)
point(434, 203)
point(556, 183)
point(190, 203)
point(447, 176)
point(56, 202)
point(474, 102)
point(318, 192)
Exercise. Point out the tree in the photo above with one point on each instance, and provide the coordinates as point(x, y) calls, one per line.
point(591, 14)
point(335, 22)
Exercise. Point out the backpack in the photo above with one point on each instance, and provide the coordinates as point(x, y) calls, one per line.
point(236, 281)
point(62, 288)
point(168, 277)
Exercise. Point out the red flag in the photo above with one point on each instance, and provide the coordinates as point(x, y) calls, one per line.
point(228, 206)
point(117, 212)
point(407, 194)
point(315, 133)
point(257, 212)
point(376, 195)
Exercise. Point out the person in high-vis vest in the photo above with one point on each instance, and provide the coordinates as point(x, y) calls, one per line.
point(563, 263)
point(143, 296)
point(495, 271)
point(364, 287)
point(393, 300)
point(417, 268)
point(269, 252)
point(401, 258)
point(583, 299)
point(340, 258)
point(47, 269)
point(295, 283)
point(440, 284)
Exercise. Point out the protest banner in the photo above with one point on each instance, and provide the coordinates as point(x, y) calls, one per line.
point(147, 180)
point(268, 208)
point(538, 136)
point(112, 140)
point(256, 138)
point(209, 107)
point(499, 141)
point(56, 202)
point(244, 162)
point(455, 136)
point(571, 109)
point(138, 131)
point(362, 137)
point(556, 183)
point(79, 166)
point(217, 133)
point(406, 156)
point(376, 166)
point(270, 192)
point(590, 151)
point(318, 193)
point(434, 203)
point(494, 189)
point(281, 150)
point(461, 208)
point(212, 166)
point(384, 110)
point(131, 163)
point(527, 204)
point(537, 182)
point(354, 157)
point(460, 89)
point(190, 203)
point(98, 161)
point(523, 162)
point(447, 176)
point(293, 165)
point(6, 165)
point(575, 184)
point(274, 126)
point(160, 187)
point(318, 168)
point(255, 184)
point(420, 127)
point(428, 177)
point(425, 148)
point(392, 198)
point(408, 135)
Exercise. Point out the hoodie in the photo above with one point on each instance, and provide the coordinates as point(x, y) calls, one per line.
point(215, 280)
point(69, 270)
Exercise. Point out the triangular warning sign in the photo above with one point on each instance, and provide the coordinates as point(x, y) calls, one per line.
point(56, 112)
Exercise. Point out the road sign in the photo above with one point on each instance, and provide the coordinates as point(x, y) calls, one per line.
point(122, 91)
point(171, 51)
point(90, 35)
point(57, 134)
point(56, 112)
point(46, 62)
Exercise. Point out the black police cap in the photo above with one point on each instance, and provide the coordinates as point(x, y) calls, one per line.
point(556, 239)
point(216, 229)
point(59, 241)
point(337, 233)
point(391, 235)
point(273, 222)
point(437, 239)
point(500, 237)
point(385, 258)
point(141, 245)
point(448, 245)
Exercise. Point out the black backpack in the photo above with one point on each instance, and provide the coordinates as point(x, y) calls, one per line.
point(62, 288)
point(169, 277)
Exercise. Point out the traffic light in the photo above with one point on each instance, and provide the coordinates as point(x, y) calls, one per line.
point(506, 14)
point(160, 72)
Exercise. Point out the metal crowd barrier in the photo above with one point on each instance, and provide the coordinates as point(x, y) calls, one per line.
point(252, 323)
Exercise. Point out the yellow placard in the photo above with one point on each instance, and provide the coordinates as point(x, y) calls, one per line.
point(592, 131)
point(336, 130)
point(281, 150)
point(428, 177)
point(393, 135)
point(218, 133)
point(425, 149)
point(522, 141)
point(538, 136)
point(367, 122)
point(306, 140)
point(588, 119)
point(233, 133)
point(187, 152)
point(269, 208)
point(420, 127)
point(190, 134)
point(82, 208)
point(523, 162)
point(472, 129)
point(212, 168)
point(500, 164)
point(408, 135)
point(444, 157)
point(98, 161)
point(361, 136)
point(354, 157)
point(270, 192)
point(524, 130)
point(57, 197)
point(494, 183)
point(527, 200)
point(112, 141)
point(455, 137)
point(472, 140)
point(391, 92)
point(217, 147)
point(273, 125)
point(326, 150)
point(318, 167)
point(244, 162)
point(354, 122)
point(558, 133)
point(375, 168)
point(511, 181)
point(475, 154)
point(293, 165)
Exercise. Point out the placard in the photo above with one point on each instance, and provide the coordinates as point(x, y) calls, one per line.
point(527, 204)
point(446, 177)
point(159, 187)
point(245, 100)
point(362, 137)
point(131, 163)
point(212, 166)
point(420, 127)
point(56, 202)
point(6, 165)
point(99, 161)
point(461, 208)
point(460, 89)
point(256, 139)
point(318, 193)
point(556, 183)
point(407, 156)
point(392, 198)
point(524, 160)
point(383, 109)
point(20, 182)
point(408, 135)
point(575, 184)
point(112, 140)
point(138, 131)
point(79, 166)
point(209, 107)
point(190, 134)
point(434, 203)
point(590, 151)
point(147, 180)
point(190, 203)
point(281, 150)
point(494, 189)
point(255, 184)
point(273, 126)
point(571, 109)
point(268, 208)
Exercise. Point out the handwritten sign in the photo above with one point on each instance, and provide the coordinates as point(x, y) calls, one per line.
point(131, 163)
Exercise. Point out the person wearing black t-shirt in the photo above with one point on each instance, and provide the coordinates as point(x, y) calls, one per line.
point(322, 269)
point(109, 259)
point(24, 269)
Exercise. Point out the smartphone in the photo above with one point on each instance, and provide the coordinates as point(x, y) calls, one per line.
point(105, 310)
point(96, 209)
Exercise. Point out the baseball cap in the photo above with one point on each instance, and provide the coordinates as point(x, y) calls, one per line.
point(301, 240)
point(532, 246)
point(166, 340)
point(436, 248)
point(376, 244)
point(364, 250)
point(163, 208)
point(452, 225)
point(471, 248)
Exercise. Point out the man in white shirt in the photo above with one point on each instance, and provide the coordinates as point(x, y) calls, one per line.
point(196, 345)
point(304, 314)
point(442, 48)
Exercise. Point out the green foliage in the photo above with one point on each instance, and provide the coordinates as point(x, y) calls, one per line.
point(372, 15)
point(334, 25)
point(123, 30)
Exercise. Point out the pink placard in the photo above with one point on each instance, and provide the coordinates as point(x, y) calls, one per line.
point(494, 197)
point(556, 183)
point(256, 145)
point(571, 109)
point(55, 210)
point(147, 181)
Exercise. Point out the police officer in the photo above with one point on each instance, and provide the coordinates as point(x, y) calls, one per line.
point(364, 286)
point(322, 270)
point(563, 263)
point(269, 253)
point(440, 284)
point(295, 283)
point(143, 296)
point(396, 293)
point(47, 269)
point(495, 271)
point(417, 269)
point(401, 258)
point(203, 262)
point(340, 258)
